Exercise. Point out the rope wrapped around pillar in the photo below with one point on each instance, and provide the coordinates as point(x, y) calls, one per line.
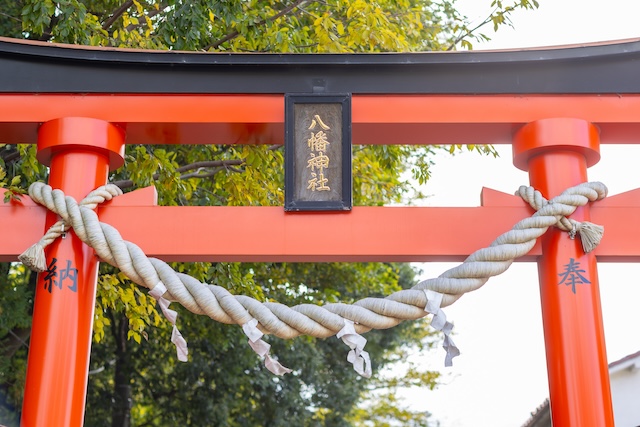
point(345, 320)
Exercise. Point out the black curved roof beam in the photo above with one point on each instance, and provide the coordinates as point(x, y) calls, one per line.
point(603, 68)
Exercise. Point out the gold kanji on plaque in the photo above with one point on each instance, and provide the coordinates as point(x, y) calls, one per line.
point(318, 161)
point(318, 153)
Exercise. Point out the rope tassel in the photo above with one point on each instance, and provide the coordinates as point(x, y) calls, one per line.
point(590, 235)
point(34, 257)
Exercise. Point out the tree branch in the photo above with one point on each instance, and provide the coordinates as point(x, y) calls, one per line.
point(48, 33)
point(142, 23)
point(10, 17)
point(210, 164)
point(117, 14)
point(113, 324)
point(9, 154)
point(202, 175)
point(218, 165)
point(474, 29)
point(102, 368)
point(18, 338)
point(233, 34)
point(149, 15)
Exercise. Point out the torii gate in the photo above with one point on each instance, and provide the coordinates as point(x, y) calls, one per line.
point(81, 105)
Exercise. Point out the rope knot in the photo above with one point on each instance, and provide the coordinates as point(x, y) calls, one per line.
point(34, 257)
point(590, 234)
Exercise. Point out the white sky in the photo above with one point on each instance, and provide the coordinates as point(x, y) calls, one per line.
point(500, 378)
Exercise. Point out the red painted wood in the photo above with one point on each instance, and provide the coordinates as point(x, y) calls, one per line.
point(60, 344)
point(556, 152)
point(377, 119)
point(410, 234)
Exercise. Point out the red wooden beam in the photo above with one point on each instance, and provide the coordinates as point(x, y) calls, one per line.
point(246, 233)
point(377, 119)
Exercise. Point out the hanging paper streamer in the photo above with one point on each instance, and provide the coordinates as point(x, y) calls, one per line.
point(439, 323)
point(262, 348)
point(357, 356)
point(171, 315)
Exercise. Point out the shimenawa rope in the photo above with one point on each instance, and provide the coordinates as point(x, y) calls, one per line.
point(346, 321)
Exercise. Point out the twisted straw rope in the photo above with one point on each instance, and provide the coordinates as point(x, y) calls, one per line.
point(318, 321)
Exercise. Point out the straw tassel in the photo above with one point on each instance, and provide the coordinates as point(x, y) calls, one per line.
point(590, 235)
point(34, 258)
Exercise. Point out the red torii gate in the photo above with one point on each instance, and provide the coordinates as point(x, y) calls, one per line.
point(81, 105)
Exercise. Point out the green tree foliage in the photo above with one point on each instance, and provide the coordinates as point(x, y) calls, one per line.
point(135, 378)
point(253, 25)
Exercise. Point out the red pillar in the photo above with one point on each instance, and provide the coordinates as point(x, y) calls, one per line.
point(80, 152)
point(557, 152)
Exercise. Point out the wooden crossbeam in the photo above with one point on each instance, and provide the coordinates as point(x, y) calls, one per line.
point(377, 119)
point(262, 234)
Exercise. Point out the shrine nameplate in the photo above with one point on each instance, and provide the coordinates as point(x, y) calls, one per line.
point(318, 152)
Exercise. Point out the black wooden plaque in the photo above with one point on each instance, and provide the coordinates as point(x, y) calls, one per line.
point(318, 152)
